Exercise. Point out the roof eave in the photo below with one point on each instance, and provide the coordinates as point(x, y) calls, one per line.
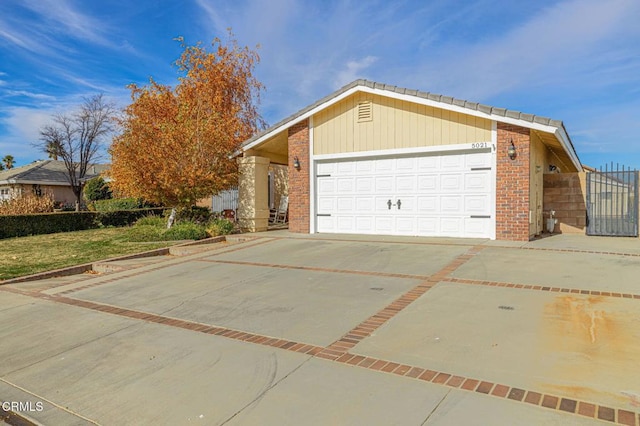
point(464, 107)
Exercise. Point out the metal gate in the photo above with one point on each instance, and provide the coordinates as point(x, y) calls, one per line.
point(612, 202)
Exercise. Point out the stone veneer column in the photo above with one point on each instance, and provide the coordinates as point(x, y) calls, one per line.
point(299, 179)
point(512, 184)
point(253, 194)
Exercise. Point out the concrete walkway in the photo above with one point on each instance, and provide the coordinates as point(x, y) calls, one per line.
point(334, 329)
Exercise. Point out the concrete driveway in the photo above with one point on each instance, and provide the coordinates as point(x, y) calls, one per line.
point(277, 328)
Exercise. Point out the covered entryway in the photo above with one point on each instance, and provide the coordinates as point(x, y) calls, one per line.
point(448, 194)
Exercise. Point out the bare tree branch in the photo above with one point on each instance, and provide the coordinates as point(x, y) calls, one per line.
point(76, 139)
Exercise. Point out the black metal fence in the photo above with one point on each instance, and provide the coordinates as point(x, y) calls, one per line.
point(612, 202)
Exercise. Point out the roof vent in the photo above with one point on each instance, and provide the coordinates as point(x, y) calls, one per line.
point(365, 111)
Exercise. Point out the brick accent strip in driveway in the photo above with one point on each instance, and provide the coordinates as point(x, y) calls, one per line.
point(371, 324)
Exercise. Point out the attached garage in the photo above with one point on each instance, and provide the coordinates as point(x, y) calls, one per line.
point(433, 194)
point(378, 159)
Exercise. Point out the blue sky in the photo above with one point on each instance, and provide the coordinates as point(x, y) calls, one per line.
point(571, 60)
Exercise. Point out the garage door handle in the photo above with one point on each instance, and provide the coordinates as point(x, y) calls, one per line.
point(399, 204)
point(389, 204)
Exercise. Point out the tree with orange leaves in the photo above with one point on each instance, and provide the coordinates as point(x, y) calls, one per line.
point(177, 143)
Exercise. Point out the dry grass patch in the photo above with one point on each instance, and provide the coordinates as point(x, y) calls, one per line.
point(39, 253)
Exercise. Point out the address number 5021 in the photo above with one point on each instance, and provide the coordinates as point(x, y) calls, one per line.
point(478, 145)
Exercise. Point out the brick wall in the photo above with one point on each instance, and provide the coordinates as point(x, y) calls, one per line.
point(299, 179)
point(512, 184)
point(566, 194)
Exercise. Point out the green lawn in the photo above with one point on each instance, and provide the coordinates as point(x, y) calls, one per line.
point(30, 255)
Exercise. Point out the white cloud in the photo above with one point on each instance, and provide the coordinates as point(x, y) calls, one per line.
point(38, 96)
point(571, 39)
point(21, 130)
point(63, 17)
point(352, 71)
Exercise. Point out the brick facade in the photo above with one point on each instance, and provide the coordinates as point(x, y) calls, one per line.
point(299, 183)
point(512, 184)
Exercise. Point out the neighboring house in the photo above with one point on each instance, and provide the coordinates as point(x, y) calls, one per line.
point(609, 193)
point(40, 177)
point(377, 159)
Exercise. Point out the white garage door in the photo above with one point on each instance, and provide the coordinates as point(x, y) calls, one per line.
point(432, 195)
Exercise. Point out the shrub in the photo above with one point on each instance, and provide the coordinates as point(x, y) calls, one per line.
point(185, 231)
point(118, 204)
point(217, 227)
point(49, 223)
point(96, 189)
point(46, 223)
point(125, 217)
point(27, 203)
point(194, 214)
point(157, 221)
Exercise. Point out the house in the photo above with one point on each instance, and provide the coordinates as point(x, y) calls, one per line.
point(40, 177)
point(377, 159)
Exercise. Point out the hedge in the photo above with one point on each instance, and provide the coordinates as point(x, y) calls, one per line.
point(49, 223)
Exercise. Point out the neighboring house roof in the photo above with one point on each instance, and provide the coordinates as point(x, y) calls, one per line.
point(532, 121)
point(47, 172)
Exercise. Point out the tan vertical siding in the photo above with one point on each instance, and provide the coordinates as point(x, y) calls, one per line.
point(538, 165)
point(396, 124)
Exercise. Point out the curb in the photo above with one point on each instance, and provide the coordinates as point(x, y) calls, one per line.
point(80, 269)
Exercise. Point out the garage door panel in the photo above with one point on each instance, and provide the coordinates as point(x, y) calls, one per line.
point(451, 204)
point(427, 225)
point(477, 204)
point(364, 224)
point(365, 204)
point(345, 205)
point(408, 204)
point(326, 168)
point(383, 165)
point(428, 204)
point(326, 186)
point(405, 225)
point(384, 184)
point(406, 184)
point(345, 223)
point(477, 182)
point(345, 185)
point(326, 204)
point(382, 204)
point(451, 183)
point(438, 194)
point(406, 165)
point(364, 166)
point(384, 224)
point(428, 163)
point(476, 227)
point(427, 183)
point(452, 162)
point(346, 168)
point(477, 160)
point(364, 185)
point(451, 226)
point(327, 223)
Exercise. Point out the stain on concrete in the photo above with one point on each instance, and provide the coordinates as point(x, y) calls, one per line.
point(588, 349)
